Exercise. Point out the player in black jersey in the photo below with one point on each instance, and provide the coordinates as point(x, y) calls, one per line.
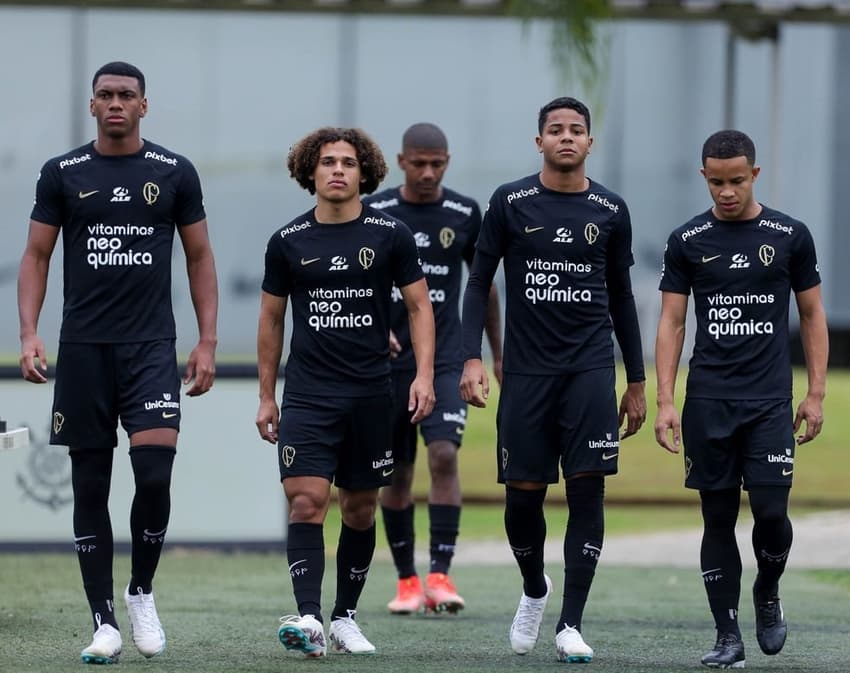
point(336, 265)
point(445, 225)
point(118, 201)
point(741, 260)
point(566, 245)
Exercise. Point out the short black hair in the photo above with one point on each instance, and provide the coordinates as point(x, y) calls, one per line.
point(729, 144)
point(121, 69)
point(559, 104)
point(304, 156)
point(424, 136)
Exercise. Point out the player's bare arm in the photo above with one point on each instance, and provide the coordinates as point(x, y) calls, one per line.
point(269, 352)
point(32, 287)
point(493, 329)
point(421, 316)
point(815, 341)
point(669, 342)
point(200, 266)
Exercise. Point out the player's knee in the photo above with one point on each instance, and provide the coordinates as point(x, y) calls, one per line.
point(769, 503)
point(442, 459)
point(358, 510)
point(152, 465)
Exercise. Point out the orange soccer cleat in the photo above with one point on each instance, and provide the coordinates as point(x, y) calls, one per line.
point(441, 594)
point(409, 596)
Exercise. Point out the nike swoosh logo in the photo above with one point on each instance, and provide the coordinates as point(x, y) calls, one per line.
point(531, 230)
point(85, 195)
point(305, 262)
point(165, 415)
point(706, 260)
point(84, 537)
point(297, 562)
point(359, 571)
point(387, 473)
point(786, 473)
point(609, 456)
point(150, 534)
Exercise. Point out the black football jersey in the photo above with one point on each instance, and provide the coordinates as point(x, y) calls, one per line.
point(556, 249)
point(338, 279)
point(445, 233)
point(741, 274)
point(118, 216)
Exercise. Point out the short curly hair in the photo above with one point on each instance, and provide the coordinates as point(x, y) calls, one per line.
point(304, 156)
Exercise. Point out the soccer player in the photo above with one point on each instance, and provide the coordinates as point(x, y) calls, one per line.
point(741, 260)
point(336, 264)
point(118, 201)
point(445, 225)
point(566, 244)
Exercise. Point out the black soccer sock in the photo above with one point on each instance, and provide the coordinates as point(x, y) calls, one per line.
point(720, 558)
point(399, 527)
point(353, 558)
point(91, 474)
point(582, 545)
point(305, 552)
point(444, 527)
point(525, 526)
point(772, 537)
point(152, 465)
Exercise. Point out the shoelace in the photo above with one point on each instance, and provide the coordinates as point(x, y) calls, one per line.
point(145, 611)
point(529, 614)
point(769, 613)
point(348, 629)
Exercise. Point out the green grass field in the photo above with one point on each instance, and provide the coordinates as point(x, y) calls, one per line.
point(220, 612)
point(649, 473)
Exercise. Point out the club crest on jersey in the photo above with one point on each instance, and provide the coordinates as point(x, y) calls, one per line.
point(366, 256)
point(591, 233)
point(150, 192)
point(447, 237)
point(766, 254)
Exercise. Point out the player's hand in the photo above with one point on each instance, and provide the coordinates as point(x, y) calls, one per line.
point(395, 346)
point(474, 383)
point(633, 409)
point(33, 359)
point(810, 411)
point(268, 419)
point(666, 421)
point(200, 369)
point(422, 398)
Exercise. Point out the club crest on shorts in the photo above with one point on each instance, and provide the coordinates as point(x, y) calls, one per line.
point(58, 422)
point(287, 455)
point(504, 458)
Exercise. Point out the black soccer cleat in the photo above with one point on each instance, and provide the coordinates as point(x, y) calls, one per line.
point(771, 628)
point(728, 652)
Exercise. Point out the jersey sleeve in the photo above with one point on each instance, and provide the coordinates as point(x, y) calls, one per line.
point(406, 266)
point(474, 230)
point(493, 237)
point(620, 249)
point(674, 271)
point(189, 204)
point(49, 204)
point(804, 270)
point(276, 278)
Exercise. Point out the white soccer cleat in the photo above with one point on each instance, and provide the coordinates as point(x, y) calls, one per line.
point(346, 636)
point(145, 627)
point(526, 625)
point(302, 634)
point(571, 647)
point(105, 646)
